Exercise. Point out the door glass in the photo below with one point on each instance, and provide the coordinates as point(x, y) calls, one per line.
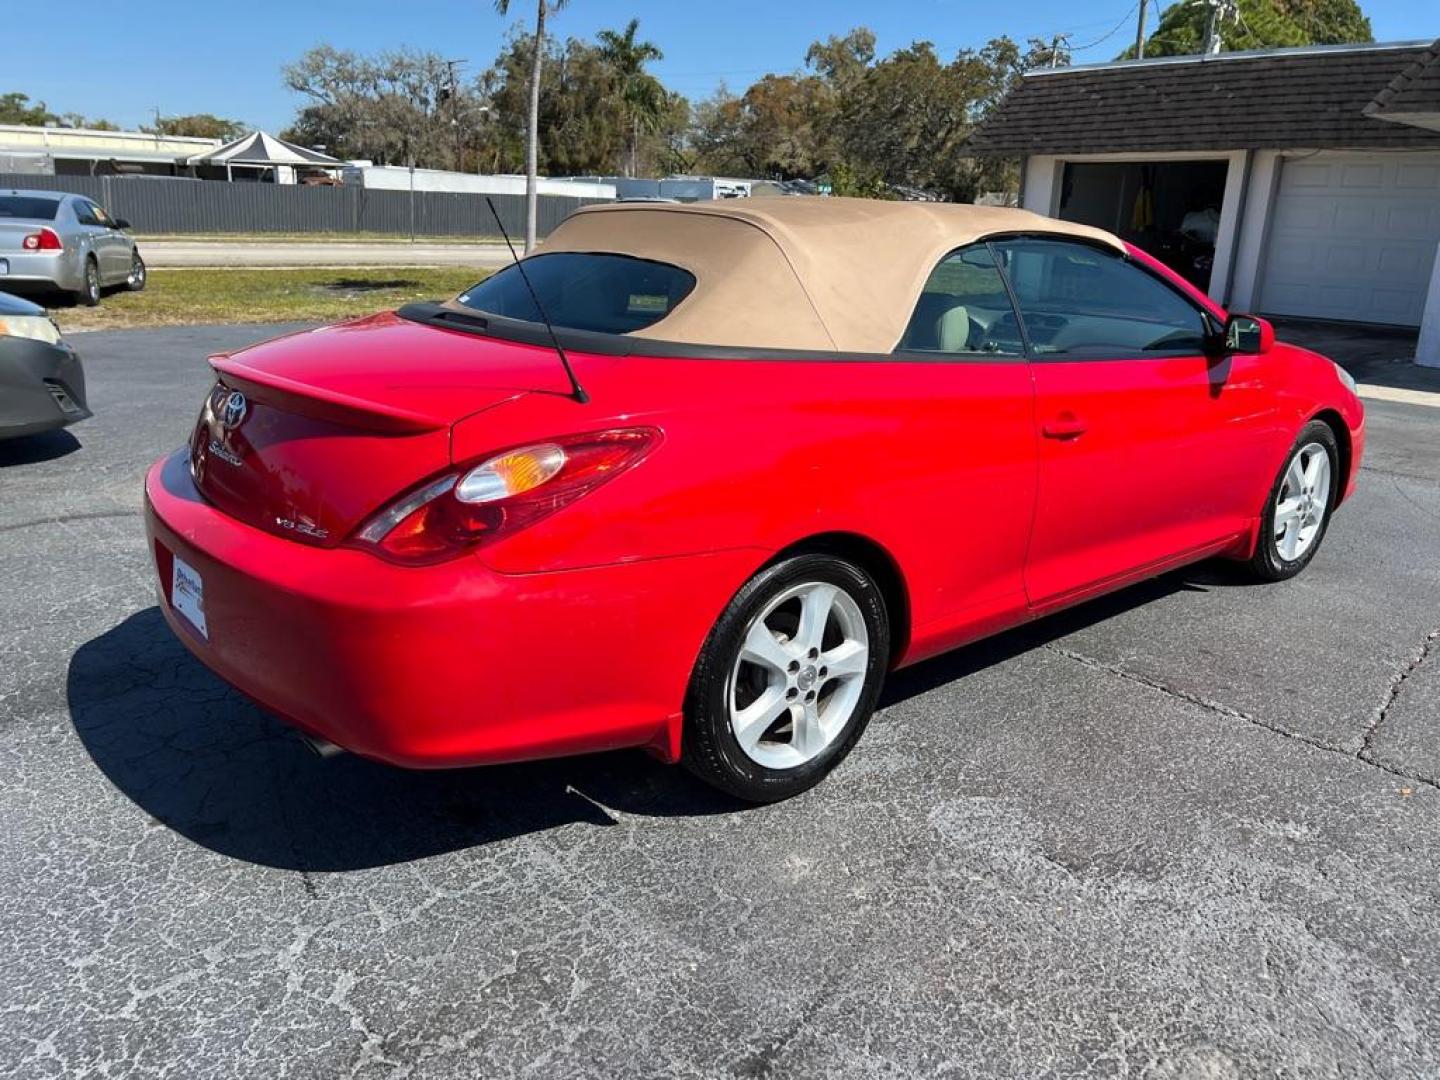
point(101, 217)
point(964, 310)
point(85, 212)
point(1080, 301)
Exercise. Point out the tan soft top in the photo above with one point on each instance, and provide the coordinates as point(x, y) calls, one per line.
point(795, 272)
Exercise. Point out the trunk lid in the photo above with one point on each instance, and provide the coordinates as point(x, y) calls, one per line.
point(14, 230)
point(308, 435)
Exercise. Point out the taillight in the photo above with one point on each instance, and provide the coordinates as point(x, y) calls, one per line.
point(45, 240)
point(468, 507)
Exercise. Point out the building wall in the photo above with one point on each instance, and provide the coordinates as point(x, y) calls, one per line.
point(397, 178)
point(203, 206)
point(105, 144)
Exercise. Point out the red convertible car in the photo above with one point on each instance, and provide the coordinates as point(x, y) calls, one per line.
point(695, 478)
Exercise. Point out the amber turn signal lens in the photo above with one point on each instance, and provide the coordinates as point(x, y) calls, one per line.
point(511, 473)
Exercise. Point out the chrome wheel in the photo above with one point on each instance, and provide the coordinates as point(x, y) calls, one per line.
point(799, 675)
point(1303, 499)
point(136, 280)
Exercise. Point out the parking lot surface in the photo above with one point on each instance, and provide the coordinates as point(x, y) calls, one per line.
point(1189, 831)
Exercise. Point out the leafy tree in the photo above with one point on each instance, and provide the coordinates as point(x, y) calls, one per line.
point(543, 9)
point(580, 109)
point(644, 97)
point(1329, 22)
point(1261, 24)
point(395, 108)
point(873, 127)
point(15, 108)
point(842, 61)
point(199, 126)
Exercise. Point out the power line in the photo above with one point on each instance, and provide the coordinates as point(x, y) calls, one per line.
point(1113, 31)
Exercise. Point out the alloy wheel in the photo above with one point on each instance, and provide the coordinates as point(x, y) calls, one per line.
point(137, 273)
point(1303, 499)
point(799, 675)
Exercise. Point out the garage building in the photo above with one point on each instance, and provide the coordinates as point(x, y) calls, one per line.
point(1299, 182)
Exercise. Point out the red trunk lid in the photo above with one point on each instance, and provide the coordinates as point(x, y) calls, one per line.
point(308, 435)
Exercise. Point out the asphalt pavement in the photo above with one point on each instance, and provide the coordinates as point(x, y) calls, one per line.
point(1188, 831)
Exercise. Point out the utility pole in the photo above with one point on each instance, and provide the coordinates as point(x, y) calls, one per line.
point(1140, 32)
point(1055, 43)
point(451, 65)
point(1218, 12)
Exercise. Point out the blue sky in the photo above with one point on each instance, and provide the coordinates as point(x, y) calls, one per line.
point(121, 61)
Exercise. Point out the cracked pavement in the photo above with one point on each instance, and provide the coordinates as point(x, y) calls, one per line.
point(1190, 831)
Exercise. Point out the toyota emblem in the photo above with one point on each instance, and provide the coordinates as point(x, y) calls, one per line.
point(234, 411)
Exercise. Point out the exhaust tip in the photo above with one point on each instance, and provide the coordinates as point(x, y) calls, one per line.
point(323, 748)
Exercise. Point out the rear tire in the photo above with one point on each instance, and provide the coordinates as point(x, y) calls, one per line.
point(89, 294)
point(788, 678)
point(1297, 511)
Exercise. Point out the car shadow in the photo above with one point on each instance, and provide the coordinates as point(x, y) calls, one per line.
point(200, 759)
point(33, 449)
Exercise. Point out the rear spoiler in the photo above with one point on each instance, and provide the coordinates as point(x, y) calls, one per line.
point(321, 404)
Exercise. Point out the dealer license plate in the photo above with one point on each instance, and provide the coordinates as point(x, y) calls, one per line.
point(187, 596)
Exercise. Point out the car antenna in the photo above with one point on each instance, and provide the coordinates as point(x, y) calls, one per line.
point(578, 390)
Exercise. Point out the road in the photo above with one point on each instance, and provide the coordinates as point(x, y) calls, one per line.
point(1190, 831)
point(161, 254)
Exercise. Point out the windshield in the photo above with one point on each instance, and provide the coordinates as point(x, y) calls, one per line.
point(31, 207)
point(608, 294)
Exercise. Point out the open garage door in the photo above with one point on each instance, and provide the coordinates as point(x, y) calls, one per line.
point(1353, 237)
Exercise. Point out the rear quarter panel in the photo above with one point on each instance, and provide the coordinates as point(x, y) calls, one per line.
point(933, 462)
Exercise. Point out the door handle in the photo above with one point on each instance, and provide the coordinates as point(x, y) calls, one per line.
point(1065, 426)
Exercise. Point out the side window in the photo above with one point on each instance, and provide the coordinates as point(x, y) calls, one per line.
point(964, 310)
point(101, 217)
point(1080, 301)
point(85, 212)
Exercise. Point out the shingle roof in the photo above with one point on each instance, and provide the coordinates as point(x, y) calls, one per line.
point(1312, 98)
point(1415, 90)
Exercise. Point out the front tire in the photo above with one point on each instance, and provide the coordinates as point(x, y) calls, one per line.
point(89, 294)
point(788, 678)
point(135, 282)
point(1298, 510)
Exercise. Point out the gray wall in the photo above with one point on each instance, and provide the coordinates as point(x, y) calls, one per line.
point(154, 205)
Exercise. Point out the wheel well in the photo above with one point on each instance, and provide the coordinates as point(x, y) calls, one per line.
point(875, 561)
point(1341, 430)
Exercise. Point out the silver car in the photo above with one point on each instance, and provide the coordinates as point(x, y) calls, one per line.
point(55, 240)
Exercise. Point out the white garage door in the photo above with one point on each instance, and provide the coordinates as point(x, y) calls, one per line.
point(1353, 236)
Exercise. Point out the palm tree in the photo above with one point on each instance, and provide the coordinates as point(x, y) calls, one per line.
point(543, 8)
point(642, 94)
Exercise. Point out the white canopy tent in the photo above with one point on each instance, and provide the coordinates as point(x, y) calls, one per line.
point(261, 150)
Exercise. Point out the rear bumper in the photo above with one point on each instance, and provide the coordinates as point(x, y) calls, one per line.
point(44, 269)
point(445, 665)
point(42, 387)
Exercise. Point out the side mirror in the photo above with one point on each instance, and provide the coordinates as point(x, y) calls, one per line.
point(1249, 335)
point(119, 223)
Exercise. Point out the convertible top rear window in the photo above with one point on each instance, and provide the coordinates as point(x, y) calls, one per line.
point(28, 207)
point(602, 293)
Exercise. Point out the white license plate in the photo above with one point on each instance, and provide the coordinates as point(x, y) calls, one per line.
point(187, 595)
point(4, 266)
